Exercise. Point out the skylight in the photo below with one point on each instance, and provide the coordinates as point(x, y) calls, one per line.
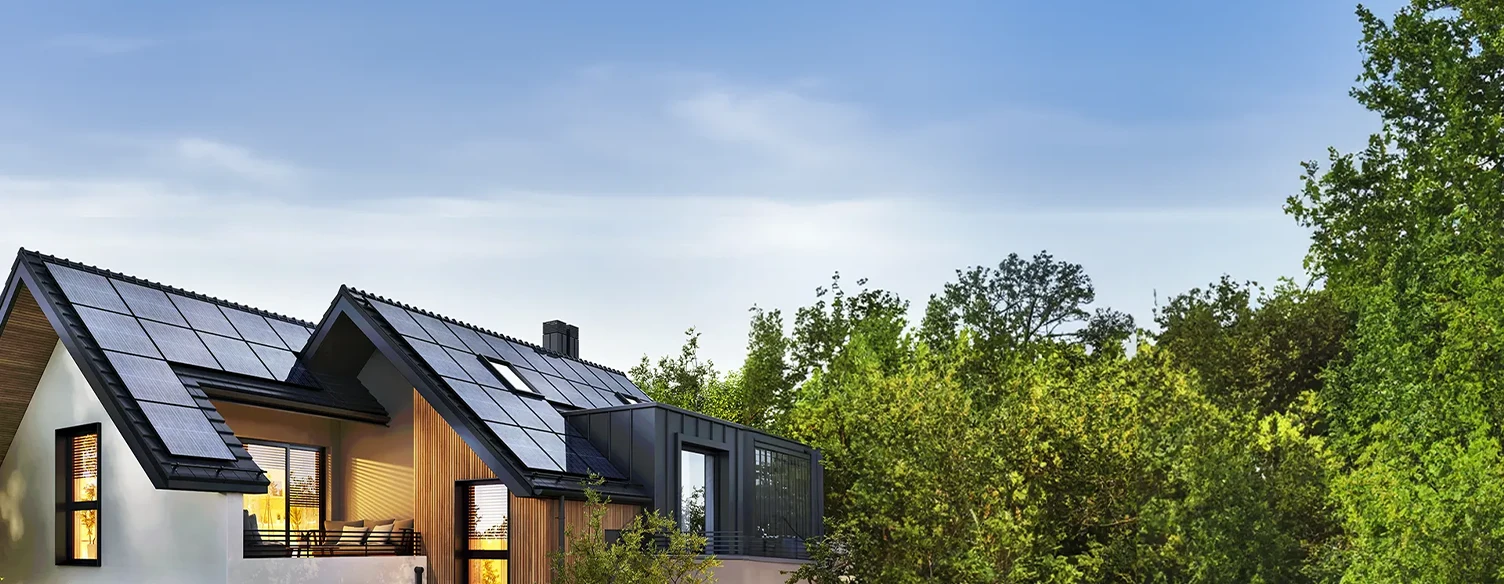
point(508, 376)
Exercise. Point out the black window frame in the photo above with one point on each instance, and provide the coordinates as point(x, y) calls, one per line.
point(718, 455)
point(66, 505)
point(323, 478)
point(462, 552)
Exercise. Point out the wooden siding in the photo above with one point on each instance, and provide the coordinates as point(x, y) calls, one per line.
point(25, 346)
point(535, 533)
point(440, 458)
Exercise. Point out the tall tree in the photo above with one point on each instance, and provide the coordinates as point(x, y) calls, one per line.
point(1407, 235)
point(1021, 303)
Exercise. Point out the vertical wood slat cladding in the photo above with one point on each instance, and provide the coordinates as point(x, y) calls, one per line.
point(25, 346)
point(440, 457)
point(535, 533)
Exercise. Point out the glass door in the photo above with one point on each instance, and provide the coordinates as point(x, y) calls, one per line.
point(487, 525)
point(294, 501)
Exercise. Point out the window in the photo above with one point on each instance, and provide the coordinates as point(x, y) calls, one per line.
point(696, 492)
point(781, 494)
point(509, 376)
point(294, 499)
point(78, 495)
point(486, 533)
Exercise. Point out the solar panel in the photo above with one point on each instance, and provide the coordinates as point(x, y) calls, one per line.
point(472, 340)
point(400, 320)
point(551, 443)
point(608, 379)
point(584, 458)
point(148, 303)
point(513, 406)
point(534, 379)
point(87, 289)
point(590, 378)
point(547, 414)
point(253, 328)
point(117, 332)
point(186, 431)
point(478, 371)
point(295, 335)
point(203, 316)
point(479, 401)
point(562, 366)
point(591, 395)
point(278, 361)
point(235, 355)
point(438, 359)
point(179, 345)
point(533, 358)
point(505, 350)
point(523, 447)
point(629, 386)
point(438, 330)
point(571, 395)
point(149, 379)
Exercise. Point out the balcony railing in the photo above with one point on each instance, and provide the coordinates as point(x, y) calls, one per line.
point(278, 543)
point(735, 543)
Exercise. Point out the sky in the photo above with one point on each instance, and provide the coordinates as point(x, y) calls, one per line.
point(640, 168)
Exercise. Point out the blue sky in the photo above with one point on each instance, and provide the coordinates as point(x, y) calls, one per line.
point(640, 168)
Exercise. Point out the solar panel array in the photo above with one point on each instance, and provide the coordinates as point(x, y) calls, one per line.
point(523, 418)
point(141, 329)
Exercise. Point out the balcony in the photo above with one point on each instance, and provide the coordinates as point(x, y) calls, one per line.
point(264, 543)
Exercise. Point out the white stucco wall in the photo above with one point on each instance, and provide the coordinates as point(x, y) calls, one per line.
point(745, 570)
point(372, 570)
point(146, 535)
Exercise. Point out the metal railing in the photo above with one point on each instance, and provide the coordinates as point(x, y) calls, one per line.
point(735, 543)
point(280, 543)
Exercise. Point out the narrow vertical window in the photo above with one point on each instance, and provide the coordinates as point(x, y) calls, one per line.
point(696, 492)
point(78, 495)
point(487, 524)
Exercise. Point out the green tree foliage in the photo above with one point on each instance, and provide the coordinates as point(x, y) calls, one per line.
point(1021, 304)
point(1407, 234)
point(1251, 349)
point(650, 550)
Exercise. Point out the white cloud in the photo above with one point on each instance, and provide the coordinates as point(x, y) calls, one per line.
point(228, 158)
point(100, 44)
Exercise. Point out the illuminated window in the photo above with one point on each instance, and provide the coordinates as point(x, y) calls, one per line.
point(294, 499)
point(78, 495)
point(487, 526)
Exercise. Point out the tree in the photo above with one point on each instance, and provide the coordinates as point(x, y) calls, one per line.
point(683, 381)
point(1407, 236)
point(649, 550)
point(1252, 349)
point(1020, 304)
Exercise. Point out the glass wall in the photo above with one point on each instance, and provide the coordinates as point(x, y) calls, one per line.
point(294, 499)
point(781, 494)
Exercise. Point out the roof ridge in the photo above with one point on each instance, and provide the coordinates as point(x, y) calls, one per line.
point(472, 327)
point(46, 258)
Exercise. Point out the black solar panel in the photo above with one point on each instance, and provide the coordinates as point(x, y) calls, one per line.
point(186, 431)
point(514, 407)
point(117, 332)
point(180, 345)
point(523, 447)
point(591, 395)
point(400, 320)
point(571, 395)
point(533, 359)
point(534, 379)
point(87, 289)
point(438, 331)
point(438, 359)
point(562, 366)
point(505, 350)
point(478, 371)
point(472, 340)
point(203, 316)
point(295, 335)
point(551, 443)
point(148, 303)
point(149, 379)
point(253, 328)
point(278, 361)
point(584, 458)
point(629, 386)
point(235, 355)
point(547, 414)
point(479, 401)
point(590, 379)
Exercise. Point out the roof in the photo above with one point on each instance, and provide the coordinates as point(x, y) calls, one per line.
point(458, 368)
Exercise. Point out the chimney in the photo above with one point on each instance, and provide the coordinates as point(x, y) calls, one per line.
point(562, 338)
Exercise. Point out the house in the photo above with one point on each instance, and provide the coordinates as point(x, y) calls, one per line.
point(151, 434)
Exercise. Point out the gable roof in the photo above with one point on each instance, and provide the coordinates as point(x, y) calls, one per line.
point(518, 431)
point(155, 355)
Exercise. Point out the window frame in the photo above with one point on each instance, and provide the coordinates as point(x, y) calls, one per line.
point(66, 505)
point(507, 373)
point(462, 552)
point(718, 459)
